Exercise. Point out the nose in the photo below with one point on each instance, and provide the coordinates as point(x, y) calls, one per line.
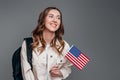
point(55, 19)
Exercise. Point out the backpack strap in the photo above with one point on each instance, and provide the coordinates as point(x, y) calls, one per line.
point(29, 40)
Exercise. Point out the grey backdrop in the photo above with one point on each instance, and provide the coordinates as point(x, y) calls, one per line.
point(92, 25)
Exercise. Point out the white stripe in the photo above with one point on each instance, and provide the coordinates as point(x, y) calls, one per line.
point(74, 60)
point(85, 57)
point(77, 61)
point(81, 61)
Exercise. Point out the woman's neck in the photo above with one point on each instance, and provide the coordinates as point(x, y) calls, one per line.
point(48, 36)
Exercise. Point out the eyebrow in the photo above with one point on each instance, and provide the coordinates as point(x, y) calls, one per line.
point(53, 14)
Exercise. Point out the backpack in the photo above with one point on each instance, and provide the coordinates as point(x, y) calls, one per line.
point(16, 60)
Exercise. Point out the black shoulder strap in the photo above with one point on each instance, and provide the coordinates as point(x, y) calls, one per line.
point(29, 49)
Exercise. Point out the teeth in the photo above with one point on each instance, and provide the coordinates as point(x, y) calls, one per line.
point(53, 25)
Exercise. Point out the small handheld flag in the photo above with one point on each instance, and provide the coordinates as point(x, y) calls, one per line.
point(76, 57)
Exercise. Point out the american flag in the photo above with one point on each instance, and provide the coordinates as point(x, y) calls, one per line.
point(76, 57)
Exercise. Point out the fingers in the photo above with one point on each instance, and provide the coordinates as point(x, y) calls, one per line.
point(55, 73)
point(54, 70)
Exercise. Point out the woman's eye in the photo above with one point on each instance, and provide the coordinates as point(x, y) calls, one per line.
point(51, 16)
point(58, 18)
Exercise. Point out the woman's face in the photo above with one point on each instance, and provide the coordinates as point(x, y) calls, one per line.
point(52, 20)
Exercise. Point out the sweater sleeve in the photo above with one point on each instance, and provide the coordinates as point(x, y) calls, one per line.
point(25, 66)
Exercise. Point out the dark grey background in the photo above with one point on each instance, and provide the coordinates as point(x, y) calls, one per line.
point(92, 25)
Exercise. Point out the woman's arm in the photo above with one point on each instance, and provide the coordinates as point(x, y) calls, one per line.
point(62, 72)
point(66, 68)
point(63, 69)
point(25, 66)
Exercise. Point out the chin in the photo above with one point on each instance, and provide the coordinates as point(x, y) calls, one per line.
point(53, 30)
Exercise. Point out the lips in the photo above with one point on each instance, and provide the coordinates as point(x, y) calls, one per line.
point(53, 24)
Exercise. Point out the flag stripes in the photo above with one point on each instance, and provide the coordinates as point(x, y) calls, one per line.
point(73, 60)
point(80, 60)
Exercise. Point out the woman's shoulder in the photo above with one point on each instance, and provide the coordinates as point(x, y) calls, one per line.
point(66, 44)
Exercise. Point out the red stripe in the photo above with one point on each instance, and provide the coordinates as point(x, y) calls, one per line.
point(73, 63)
point(71, 60)
point(85, 57)
point(75, 60)
point(81, 61)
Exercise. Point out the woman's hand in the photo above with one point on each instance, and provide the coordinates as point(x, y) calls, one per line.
point(55, 71)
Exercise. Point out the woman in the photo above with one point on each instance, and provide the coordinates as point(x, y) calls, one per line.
point(48, 49)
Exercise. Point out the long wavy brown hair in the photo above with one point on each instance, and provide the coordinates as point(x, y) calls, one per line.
point(37, 33)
